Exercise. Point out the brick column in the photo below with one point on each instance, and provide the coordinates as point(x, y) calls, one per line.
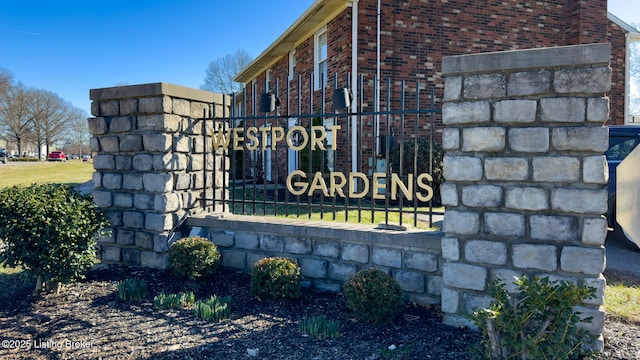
point(525, 175)
point(153, 166)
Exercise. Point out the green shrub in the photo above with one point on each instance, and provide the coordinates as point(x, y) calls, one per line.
point(132, 289)
point(50, 231)
point(319, 327)
point(276, 277)
point(213, 309)
point(373, 295)
point(179, 300)
point(538, 322)
point(194, 258)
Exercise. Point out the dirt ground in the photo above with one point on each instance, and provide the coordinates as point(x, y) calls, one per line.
point(86, 321)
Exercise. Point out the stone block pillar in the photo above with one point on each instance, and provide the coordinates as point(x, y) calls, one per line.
point(525, 172)
point(153, 166)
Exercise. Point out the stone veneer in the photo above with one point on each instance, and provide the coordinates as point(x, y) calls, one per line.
point(525, 175)
point(329, 253)
point(153, 166)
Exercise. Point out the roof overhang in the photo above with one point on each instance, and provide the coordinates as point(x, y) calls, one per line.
point(317, 15)
point(634, 35)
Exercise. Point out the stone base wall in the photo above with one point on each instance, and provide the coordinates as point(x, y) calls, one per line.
point(329, 253)
point(525, 175)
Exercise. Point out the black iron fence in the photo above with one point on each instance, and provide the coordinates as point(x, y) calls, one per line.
point(375, 157)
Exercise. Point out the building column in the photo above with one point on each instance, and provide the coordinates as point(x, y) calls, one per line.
point(154, 165)
point(526, 177)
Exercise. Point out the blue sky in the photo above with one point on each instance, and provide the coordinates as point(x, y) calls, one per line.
point(71, 46)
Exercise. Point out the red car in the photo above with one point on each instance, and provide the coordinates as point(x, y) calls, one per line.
point(56, 156)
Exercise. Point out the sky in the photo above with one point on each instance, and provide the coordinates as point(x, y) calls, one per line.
point(71, 46)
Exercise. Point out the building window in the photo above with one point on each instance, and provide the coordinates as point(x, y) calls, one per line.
point(267, 82)
point(292, 65)
point(320, 58)
point(331, 154)
point(254, 93)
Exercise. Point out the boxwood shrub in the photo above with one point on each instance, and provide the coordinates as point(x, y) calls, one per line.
point(50, 230)
point(194, 257)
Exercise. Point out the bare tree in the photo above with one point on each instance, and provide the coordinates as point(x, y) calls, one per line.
point(17, 114)
point(6, 79)
point(634, 54)
point(221, 72)
point(54, 114)
point(78, 131)
point(634, 71)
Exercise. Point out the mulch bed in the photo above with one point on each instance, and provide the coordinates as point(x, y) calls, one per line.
point(86, 321)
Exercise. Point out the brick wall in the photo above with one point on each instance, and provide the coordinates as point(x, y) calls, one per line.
point(616, 36)
point(416, 35)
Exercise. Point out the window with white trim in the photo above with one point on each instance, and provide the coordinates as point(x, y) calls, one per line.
point(320, 58)
point(268, 81)
point(254, 89)
point(327, 123)
point(292, 64)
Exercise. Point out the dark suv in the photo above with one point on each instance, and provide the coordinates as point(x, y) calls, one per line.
point(3, 157)
point(622, 140)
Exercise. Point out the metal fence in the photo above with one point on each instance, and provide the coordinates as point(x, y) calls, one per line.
point(374, 158)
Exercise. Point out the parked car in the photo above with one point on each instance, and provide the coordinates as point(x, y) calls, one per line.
point(3, 157)
point(622, 140)
point(57, 156)
point(86, 158)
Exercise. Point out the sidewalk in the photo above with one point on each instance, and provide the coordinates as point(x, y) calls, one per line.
point(620, 258)
point(85, 188)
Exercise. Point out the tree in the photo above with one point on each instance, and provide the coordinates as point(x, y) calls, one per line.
point(55, 115)
point(77, 131)
point(221, 72)
point(634, 71)
point(6, 79)
point(35, 116)
point(17, 113)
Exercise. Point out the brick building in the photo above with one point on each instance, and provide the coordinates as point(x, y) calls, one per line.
point(407, 39)
point(414, 36)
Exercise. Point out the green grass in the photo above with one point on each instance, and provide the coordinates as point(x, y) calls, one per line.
point(623, 300)
point(364, 216)
point(13, 281)
point(266, 207)
point(72, 172)
point(9, 271)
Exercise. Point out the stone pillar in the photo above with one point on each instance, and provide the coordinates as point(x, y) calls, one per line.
point(153, 166)
point(525, 175)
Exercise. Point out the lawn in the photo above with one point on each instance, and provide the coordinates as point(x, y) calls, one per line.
point(623, 300)
point(72, 172)
point(256, 203)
